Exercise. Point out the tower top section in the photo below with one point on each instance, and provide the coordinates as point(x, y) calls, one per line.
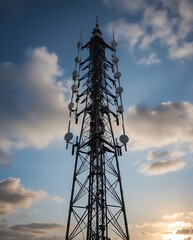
point(96, 31)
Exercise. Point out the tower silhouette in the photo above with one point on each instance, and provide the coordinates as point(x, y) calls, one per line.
point(97, 208)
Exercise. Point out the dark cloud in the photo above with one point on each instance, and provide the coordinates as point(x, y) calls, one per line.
point(37, 227)
point(159, 168)
point(33, 231)
point(5, 158)
point(165, 154)
point(157, 154)
point(14, 195)
point(185, 231)
point(54, 237)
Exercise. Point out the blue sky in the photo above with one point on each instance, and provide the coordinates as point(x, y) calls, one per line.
point(155, 47)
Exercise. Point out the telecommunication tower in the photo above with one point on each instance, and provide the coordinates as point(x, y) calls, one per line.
point(97, 208)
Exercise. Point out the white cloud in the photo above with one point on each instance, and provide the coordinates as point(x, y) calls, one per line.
point(181, 52)
point(157, 19)
point(162, 27)
point(146, 235)
point(129, 32)
point(169, 24)
point(58, 199)
point(150, 60)
point(176, 154)
point(178, 220)
point(13, 195)
point(168, 228)
point(146, 41)
point(32, 105)
point(169, 123)
point(159, 168)
point(179, 216)
point(179, 224)
point(186, 17)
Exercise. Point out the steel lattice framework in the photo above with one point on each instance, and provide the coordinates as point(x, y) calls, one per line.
point(97, 208)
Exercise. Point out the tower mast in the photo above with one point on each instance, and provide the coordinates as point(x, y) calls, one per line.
point(97, 208)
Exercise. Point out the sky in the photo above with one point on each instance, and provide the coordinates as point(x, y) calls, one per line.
point(38, 42)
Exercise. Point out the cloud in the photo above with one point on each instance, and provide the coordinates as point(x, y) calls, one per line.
point(180, 52)
point(54, 237)
point(169, 123)
point(168, 23)
point(150, 60)
point(169, 225)
point(58, 199)
point(32, 104)
point(33, 231)
point(151, 235)
point(38, 227)
point(157, 154)
point(179, 225)
point(143, 224)
point(163, 154)
point(129, 32)
point(185, 231)
point(132, 6)
point(5, 158)
point(179, 215)
point(153, 224)
point(185, 11)
point(164, 28)
point(13, 195)
point(159, 168)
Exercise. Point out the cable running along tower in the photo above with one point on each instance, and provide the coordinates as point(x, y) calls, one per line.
point(97, 208)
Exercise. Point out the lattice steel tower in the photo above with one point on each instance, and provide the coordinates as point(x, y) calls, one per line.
point(97, 208)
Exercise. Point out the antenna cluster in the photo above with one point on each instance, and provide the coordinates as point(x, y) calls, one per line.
point(73, 105)
point(112, 89)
